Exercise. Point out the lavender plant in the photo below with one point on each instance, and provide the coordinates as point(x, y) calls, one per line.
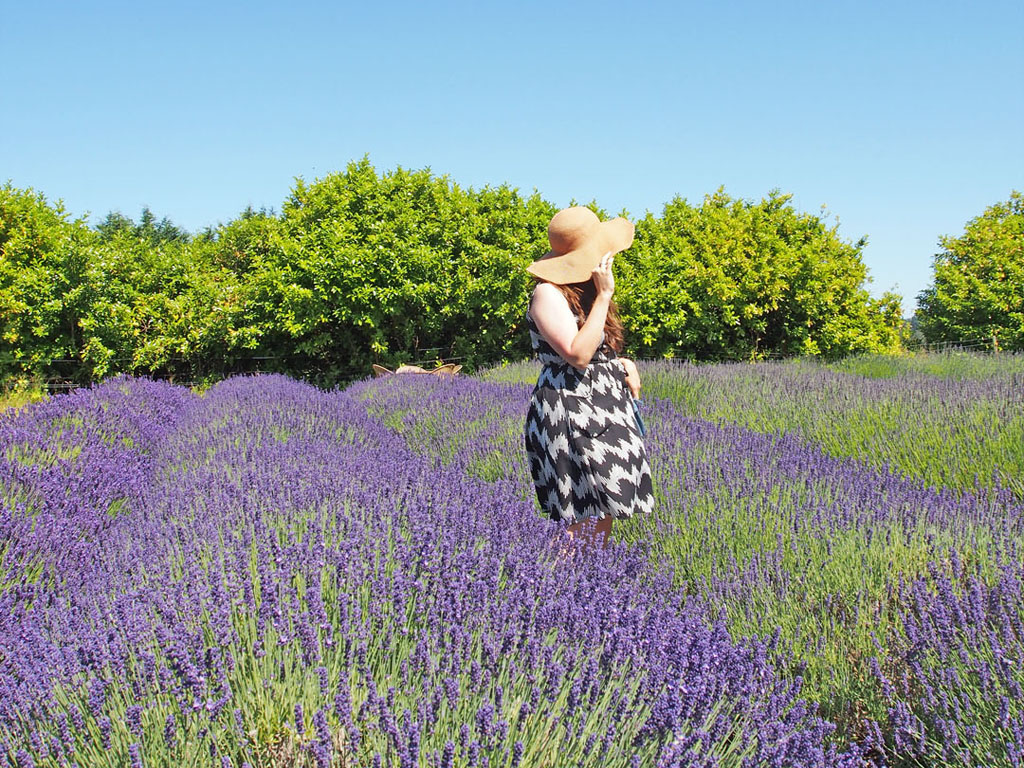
point(955, 364)
point(955, 681)
point(773, 533)
point(267, 575)
point(957, 433)
point(962, 429)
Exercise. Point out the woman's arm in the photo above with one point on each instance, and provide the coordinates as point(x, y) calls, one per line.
point(555, 321)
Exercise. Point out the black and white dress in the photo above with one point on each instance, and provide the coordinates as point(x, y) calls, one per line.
point(586, 454)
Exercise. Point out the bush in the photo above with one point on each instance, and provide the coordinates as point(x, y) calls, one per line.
point(44, 257)
point(406, 266)
point(734, 279)
point(978, 281)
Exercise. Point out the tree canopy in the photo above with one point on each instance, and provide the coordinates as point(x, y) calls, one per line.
point(116, 224)
point(401, 266)
point(977, 290)
point(735, 279)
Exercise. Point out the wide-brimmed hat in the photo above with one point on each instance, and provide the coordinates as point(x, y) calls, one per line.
point(578, 241)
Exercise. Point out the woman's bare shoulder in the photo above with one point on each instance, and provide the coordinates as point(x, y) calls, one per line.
point(548, 301)
point(547, 293)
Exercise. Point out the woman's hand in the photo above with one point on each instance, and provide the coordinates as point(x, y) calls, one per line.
point(604, 280)
point(632, 376)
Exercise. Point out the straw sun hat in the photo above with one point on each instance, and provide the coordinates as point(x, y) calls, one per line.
point(578, 241)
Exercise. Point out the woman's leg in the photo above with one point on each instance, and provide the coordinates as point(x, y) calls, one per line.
point(593, 532)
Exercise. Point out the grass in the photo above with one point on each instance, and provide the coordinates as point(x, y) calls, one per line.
point(17, 394)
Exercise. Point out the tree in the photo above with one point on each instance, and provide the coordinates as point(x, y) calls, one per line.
point(148, 229)
point(44, 258)
point(735, 279)
point(114, 224)
point(398, 267)
point(161, 307)
point(403, 266)
point(977, 291)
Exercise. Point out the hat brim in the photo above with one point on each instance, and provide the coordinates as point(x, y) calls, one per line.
point(577, 266)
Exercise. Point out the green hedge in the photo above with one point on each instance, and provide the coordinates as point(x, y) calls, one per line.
point(361, 267)
point(977, 290)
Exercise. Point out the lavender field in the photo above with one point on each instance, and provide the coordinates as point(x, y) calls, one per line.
point(953, 420)
point(272, 575)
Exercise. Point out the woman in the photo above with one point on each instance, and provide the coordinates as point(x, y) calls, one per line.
point(585, 450)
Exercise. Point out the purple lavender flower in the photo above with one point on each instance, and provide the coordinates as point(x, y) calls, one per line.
point(448, 756)
point(104, 726)
point(485, 721)
point(425, 577)
point(133, 719)
point(170, 731)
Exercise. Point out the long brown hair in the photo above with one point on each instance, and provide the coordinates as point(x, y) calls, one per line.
point(581, 298)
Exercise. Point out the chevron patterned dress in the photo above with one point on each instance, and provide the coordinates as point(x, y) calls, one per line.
point(586, 454)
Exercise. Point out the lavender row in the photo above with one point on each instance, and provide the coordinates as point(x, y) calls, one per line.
point(954, 678)
point(773, 532)
point(55, 514)
point(961, 433)
point(951, 364)
point(477, 426)
point(284, 582)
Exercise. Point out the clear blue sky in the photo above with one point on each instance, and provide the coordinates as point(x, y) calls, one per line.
point(905, 119)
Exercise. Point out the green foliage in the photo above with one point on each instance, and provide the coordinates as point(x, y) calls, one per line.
point(406, 266)
point(43, 293)
point(81, 305)
point(397, 267)
point(978, 281)
point(157, 306)
point(149, 229)
point(15, 393)
point(734, 279)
